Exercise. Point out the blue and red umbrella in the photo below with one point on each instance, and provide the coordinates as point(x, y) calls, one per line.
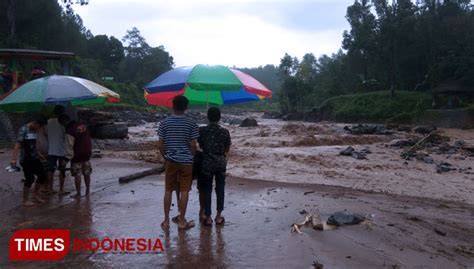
point(204, 84)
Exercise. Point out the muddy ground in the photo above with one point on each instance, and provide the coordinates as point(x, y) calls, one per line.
point(417, 217)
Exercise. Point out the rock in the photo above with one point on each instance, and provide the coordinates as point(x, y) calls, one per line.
point(401, 143)
point(424, 129)
point(347, 152)
point(271, 115)
point(358, 155)
point(368, 129)
point(96, 153)
point(110, 131)
point(444, 167)
point(404, 128)
point(345, 218)
point(249, 122)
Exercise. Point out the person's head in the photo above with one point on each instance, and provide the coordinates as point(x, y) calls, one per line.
point(180, 104)
point(214, 114)
point(59, 110)
point(64, 120)
point(36, 122)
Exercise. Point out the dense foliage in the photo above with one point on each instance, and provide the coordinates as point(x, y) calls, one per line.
point(399, 46)
point(123, 65)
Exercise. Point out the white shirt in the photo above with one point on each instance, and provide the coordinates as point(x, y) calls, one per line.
point(56, 137)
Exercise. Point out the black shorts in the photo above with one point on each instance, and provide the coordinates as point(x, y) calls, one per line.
point(57, 162)
point(32, 169)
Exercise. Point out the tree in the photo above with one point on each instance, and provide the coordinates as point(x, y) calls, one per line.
point(136, 45)
point(360, 41)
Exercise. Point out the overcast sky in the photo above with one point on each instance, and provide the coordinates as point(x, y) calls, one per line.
point(242, 33)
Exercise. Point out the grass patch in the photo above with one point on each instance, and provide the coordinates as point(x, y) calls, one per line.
point(375, 106)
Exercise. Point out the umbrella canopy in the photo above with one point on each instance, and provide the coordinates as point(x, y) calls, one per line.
point(204, 84)
point(56, 90)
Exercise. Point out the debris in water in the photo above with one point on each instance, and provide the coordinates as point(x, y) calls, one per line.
point(312, 220)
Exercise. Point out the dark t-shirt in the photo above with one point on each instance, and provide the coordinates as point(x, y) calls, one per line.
point(214, 140)
point(27, 139)
point(82, 142)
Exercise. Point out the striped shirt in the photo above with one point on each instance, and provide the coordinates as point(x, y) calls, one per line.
point(177, 133)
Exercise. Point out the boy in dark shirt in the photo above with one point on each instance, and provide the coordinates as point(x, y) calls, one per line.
point(29, 159)
point(215, 143)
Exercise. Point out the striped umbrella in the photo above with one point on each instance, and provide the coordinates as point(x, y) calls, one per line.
point(56, 90)
point(204, 84)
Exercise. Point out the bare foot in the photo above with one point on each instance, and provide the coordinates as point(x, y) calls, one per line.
point(165, 225)
point(76, 196)
point(186, 225)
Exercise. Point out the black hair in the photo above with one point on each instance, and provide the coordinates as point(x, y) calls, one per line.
point(64, 119)
point(58, 110)
point(180, 103)
point(38, 119)
point(214, 114)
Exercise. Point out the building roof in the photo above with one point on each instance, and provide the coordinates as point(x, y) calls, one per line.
point(35, 54)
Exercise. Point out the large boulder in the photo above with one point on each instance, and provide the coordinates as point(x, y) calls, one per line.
point(110, 131)
point(249, 122)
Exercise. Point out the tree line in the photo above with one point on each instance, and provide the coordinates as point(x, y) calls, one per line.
point(53, 25)
point(401, 45)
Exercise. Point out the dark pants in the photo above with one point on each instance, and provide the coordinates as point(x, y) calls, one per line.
point(32, 168)
point(205, 186)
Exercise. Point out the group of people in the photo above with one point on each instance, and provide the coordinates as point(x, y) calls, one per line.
point(189, 152)
point(44, 146)
point(179, 139)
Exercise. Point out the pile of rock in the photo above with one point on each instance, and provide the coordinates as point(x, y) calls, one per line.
point(362, 129)
point(359, 155)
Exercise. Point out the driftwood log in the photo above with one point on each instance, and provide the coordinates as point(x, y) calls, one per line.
point(422, 142)
point(145, 173)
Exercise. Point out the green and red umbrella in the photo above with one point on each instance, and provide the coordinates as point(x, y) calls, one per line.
point(205, 84)
point(56, 90)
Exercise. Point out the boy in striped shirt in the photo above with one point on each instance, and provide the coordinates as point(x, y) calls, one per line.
point(177, 144)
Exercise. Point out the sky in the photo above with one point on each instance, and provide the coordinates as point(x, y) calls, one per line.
point(241, 33)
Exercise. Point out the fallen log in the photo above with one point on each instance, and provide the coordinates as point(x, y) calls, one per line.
point(145, 173)
point(422, 142)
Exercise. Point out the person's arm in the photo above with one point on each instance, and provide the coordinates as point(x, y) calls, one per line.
point(227, 142)
point(16, 151)
point(161, 147)
point(194, 138)
point(17, 147)
point(69, 146)
point(194, 146)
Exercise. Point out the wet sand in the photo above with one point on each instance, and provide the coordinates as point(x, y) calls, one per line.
point(257, 234)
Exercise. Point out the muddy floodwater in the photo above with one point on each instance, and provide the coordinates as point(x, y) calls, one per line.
point(277, 172)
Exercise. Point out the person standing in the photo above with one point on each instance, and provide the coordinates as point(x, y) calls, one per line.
point(79, 151)
point(56, 149)
point(215, 142)
point(177, 144)
point(29, 159)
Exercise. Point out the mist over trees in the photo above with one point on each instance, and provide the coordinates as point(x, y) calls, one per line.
point(391, 45)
